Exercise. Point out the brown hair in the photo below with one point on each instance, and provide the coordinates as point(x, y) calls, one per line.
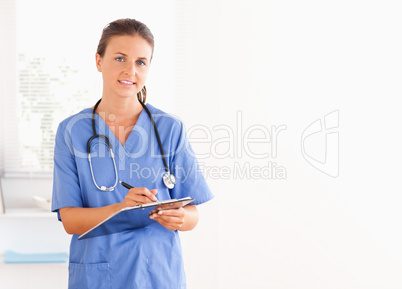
point(131, 27)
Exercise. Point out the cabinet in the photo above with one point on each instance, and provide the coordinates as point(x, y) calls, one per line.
point(30, 230)
point(33, 276)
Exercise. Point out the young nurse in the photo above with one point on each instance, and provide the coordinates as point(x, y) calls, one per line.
point(125, 148)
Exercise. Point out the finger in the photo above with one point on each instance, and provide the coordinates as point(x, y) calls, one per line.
point(143, 199)
point(174, 213)
point(165, 218)
point(168, 219)
point(144, 195)
point(171, 223)
point(131, 203)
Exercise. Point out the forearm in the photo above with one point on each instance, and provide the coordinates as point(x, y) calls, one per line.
point(190, 218)
point(79, 220)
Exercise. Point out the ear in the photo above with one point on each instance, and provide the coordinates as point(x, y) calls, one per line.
point(98, 62)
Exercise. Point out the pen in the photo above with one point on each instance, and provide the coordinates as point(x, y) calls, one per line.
point(127, 186)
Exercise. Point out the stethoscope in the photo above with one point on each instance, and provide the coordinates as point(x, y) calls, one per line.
point(168, 179)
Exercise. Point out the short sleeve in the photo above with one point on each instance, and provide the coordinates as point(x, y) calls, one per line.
point(190, 181)
point(66, 189)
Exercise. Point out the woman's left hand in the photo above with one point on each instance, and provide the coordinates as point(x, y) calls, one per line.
point(171, 219)
point(182, 219)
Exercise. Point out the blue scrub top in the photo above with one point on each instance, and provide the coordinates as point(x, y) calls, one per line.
point(148, 257)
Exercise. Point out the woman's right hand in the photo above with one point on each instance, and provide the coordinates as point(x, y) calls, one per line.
point(78, 220)
point(138, 196)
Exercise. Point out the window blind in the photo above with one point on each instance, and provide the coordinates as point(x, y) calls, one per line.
point(46, 93)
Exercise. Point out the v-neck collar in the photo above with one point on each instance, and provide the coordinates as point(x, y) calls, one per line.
point(103, 128)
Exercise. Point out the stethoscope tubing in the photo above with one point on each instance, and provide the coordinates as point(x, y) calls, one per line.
point(168, 179)
point(157, 137)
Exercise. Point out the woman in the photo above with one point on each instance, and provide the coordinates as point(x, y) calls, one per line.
point(85, 193)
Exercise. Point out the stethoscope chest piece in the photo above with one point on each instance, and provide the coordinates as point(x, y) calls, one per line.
point(169, 180)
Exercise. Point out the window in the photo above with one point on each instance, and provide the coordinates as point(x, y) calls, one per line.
point(49, 70)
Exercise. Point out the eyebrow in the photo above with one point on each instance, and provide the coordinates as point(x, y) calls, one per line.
point(141, 58)
point(121, 53)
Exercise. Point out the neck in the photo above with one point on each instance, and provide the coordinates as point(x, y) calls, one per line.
point(119, 110)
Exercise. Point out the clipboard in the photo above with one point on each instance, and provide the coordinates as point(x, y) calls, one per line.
point(131, 218)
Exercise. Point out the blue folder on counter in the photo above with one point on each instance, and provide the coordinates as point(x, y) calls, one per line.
point(13, 257)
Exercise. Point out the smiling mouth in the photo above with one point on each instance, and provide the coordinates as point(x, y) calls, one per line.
point(126, 82)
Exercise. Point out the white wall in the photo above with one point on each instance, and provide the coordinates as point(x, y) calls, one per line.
point(291, 63)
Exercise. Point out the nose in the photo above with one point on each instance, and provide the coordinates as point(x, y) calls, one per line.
point(130, 68)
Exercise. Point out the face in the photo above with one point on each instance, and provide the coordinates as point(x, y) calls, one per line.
point(124, 66)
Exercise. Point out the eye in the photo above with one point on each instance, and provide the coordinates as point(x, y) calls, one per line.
point(119, 59)
point(140, 62)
